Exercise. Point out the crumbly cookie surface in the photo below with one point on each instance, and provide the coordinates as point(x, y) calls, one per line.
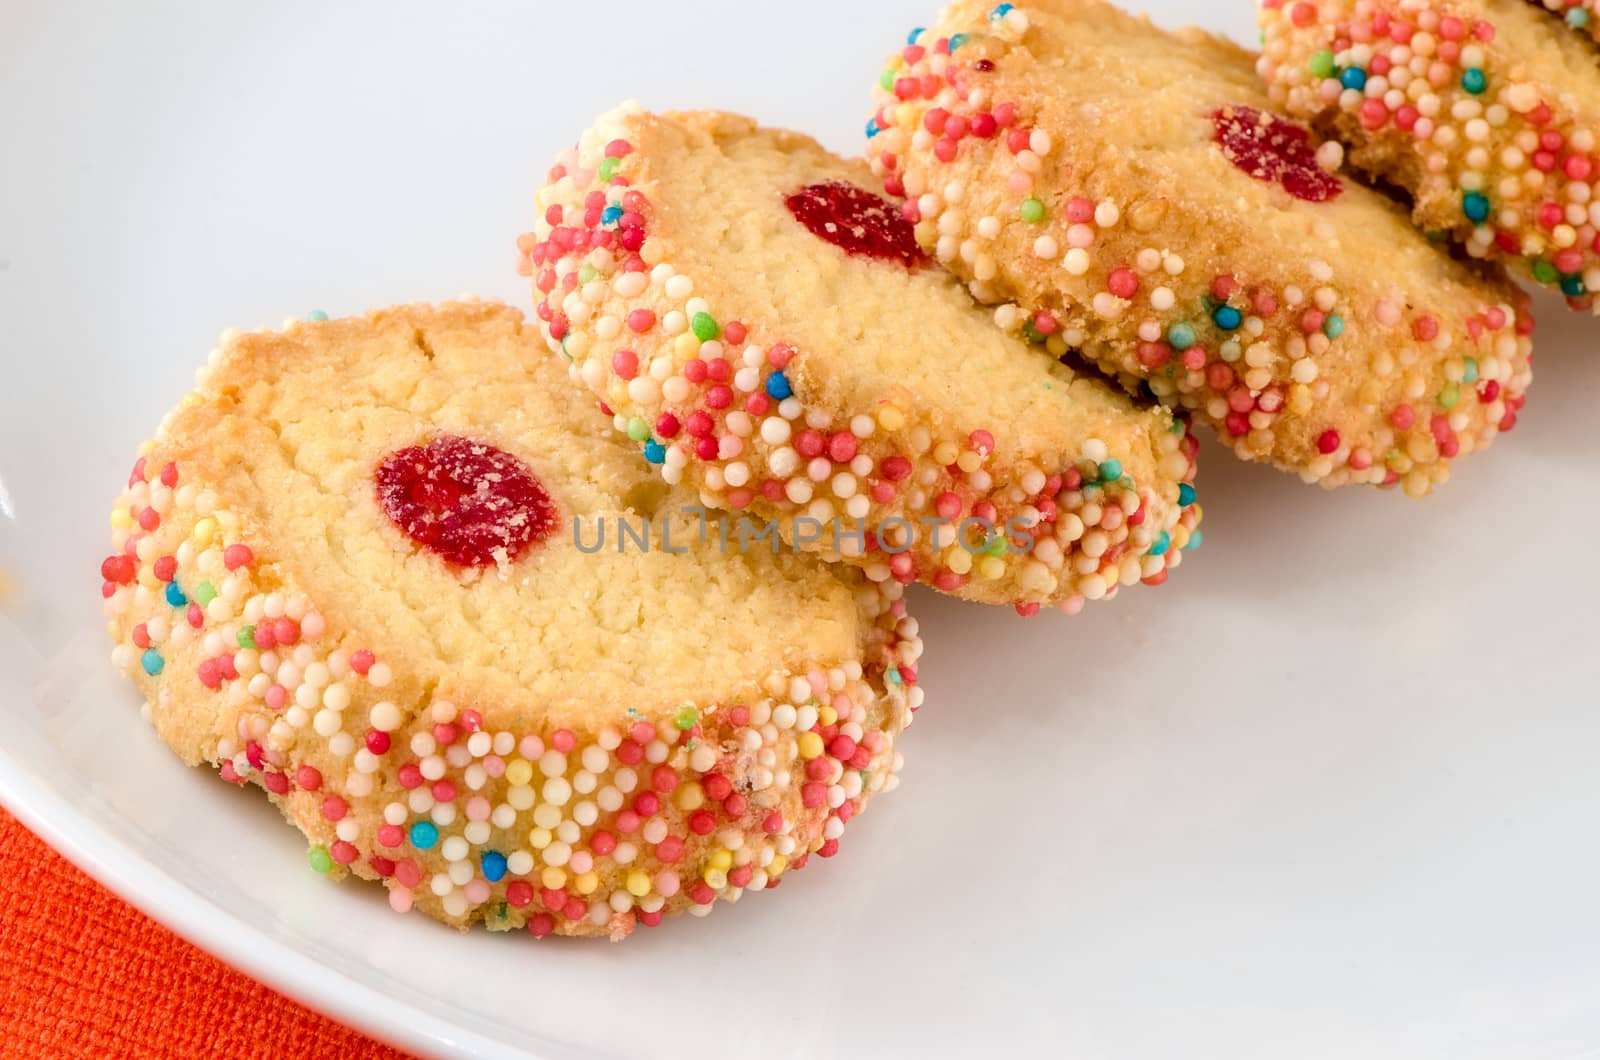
point(378, 567)
point(761, 321)
point(1129, 192)
point(1486, 112)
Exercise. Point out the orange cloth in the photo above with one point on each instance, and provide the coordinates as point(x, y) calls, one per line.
point(83, 974)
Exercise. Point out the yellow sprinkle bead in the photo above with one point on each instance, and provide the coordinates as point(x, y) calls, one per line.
point(120, 519)
point(958, 559)
point(638, 884)
point(969, 461)
point(827, 715)
point(553, 878)
point(779, 863)
point(586, 883)
point(539, 838)
point(716, 879)
point(891, 418)
point(519, 772)
point(1300, 399)
point(686, 345)
point(810, 745)
point(204, 531)
point(689, 796)
point(721, 860)
point(991, 567)
point(946, 453)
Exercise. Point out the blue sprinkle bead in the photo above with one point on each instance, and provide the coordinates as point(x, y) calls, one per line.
point(1353, 77)
point(1186, 494)
point(1159, 546)
point(424, 835)
point(1001, 12)
point(872, 128)
point(1110, 471)
point(1226, 317)
point(152, 662)
point(912, 37)
point(1475, 204)
point(1180, 336)
point(1474, 81)
point(1333, 326)
point(655, 452)
point(1195, 539)
point(611, 215)
point(778, 386)
point(316, 315)
point(175, 595)
point(957, 41)
point(494, 865)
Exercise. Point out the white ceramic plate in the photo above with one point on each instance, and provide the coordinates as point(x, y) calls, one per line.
point(1330, 793)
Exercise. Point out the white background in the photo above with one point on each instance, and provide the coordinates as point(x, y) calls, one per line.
point(1332, 792)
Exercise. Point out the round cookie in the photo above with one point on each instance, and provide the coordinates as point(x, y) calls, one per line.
point(1486, 112)
point(392, 570)
point(1129, 192)
point(760, 320)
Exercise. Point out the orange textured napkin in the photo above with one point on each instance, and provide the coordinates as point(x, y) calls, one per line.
point(83, 974)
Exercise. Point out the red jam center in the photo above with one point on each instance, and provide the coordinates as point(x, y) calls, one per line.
point(471, 503)
point(1273, 149)
point(856, 221)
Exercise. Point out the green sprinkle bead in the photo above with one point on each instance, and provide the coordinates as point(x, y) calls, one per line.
point(1110, 471)
point(1333, 326)
point(1322, 63)
point(247, 637)
point(704, 326)
point(687, 717)
point(586, 272)
point(1032, 211)
point(638, 429)
point(204, 593)
point(608, 168)
point(1180, 336)
point(1449, 396)
point(316, 315)
point(886, 81)
point(319, 859)
point(1469, 370)
point(1474, 81)
point(1544, 272)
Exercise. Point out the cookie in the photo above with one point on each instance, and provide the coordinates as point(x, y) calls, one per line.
point(762, 323)
point(393, 570)
point(1130, 193)
point(1486, 113)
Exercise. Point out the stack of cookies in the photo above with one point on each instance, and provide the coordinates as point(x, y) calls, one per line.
point(572, 622)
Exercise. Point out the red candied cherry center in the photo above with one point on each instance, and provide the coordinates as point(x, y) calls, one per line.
point(1273, 149)
point(471, 503)
point(856, 221)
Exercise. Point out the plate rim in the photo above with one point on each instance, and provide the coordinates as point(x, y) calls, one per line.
point(203, 923)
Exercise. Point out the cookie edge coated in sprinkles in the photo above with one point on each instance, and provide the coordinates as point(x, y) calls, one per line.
point(415, 792)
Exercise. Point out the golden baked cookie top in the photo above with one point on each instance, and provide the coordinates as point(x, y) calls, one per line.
point(576, 579)
point(762, 322)
point(1130, 192)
